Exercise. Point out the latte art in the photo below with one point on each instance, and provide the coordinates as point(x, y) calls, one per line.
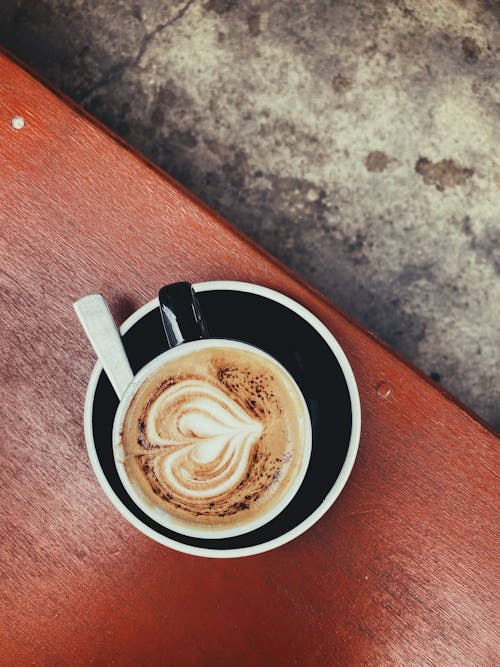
point(215, 437)
point(205, 440)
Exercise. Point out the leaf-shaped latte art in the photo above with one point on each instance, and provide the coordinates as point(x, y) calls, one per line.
point(214, 438)
point(202, 440)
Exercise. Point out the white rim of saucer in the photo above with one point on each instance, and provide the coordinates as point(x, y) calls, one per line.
point(331, 496)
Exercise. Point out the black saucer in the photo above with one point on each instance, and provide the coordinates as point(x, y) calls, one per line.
point(294, 342)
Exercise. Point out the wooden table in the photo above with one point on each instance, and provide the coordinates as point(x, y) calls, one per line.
point(401, 570)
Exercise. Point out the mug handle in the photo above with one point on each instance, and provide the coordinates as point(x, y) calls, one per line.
point(181, 314)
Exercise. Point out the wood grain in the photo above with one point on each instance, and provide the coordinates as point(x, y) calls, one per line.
point(402, 569)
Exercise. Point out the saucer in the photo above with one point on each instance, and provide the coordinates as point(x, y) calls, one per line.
point(304, 346)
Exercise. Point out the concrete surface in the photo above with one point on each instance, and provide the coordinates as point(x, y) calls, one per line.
point(358, 142)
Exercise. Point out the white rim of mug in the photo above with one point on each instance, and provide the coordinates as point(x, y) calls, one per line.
point(331, 496)
point(162, 517)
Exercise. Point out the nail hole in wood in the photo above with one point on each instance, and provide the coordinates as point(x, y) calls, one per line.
point(384, 389)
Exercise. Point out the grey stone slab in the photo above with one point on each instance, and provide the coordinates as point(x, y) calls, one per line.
point(358, 142)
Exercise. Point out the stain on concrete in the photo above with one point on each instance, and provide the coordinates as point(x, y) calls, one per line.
point(221, 6)
point(467, 227)
point(355, 246)
point(184, 137)
point(471, 50)
point(377, 161)
point(37, 13)
point(253, 21)
point(137, 12)
point(257, 22)
point(443, 174)
point(485, 244)
point(341, 84)
point(413, 273)
point(396, 322)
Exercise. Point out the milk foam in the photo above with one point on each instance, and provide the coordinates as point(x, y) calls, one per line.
point(205, 439)
point(216, 437)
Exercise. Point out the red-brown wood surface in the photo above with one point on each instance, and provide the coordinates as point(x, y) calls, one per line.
point(402, 568)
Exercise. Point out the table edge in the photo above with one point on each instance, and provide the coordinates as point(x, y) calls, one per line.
point(231, 227)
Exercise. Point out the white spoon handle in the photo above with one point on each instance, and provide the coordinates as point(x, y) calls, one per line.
point(98, 323)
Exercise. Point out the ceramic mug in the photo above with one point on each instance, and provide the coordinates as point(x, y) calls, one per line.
point(187, 335)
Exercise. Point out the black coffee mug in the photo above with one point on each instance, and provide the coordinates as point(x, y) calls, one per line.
point(187, 334)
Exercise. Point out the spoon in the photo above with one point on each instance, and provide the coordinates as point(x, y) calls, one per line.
point(97, 321)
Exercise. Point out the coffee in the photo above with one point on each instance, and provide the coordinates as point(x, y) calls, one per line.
point(216, 437)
